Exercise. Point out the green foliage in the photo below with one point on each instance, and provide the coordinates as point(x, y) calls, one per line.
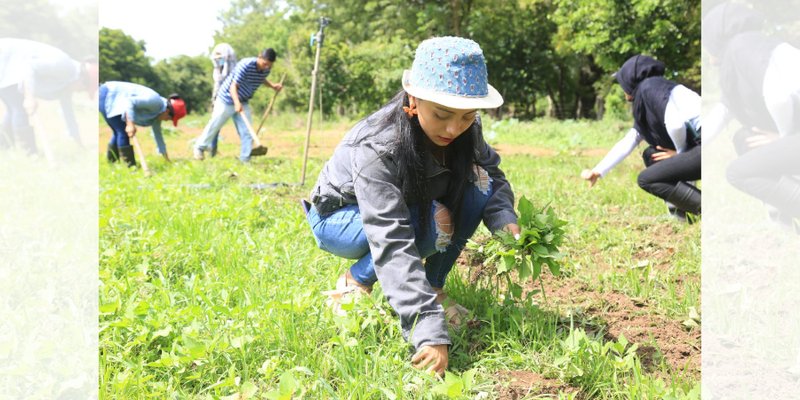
point(71, 29)
point(615, 105)
point(552, 58)
point(454, 386)
point(123, 59)
point(187, 76)
point(611, 31)
point(541, 233)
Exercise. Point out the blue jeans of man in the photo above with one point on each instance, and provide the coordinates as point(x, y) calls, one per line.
point(342, 233)
point(119, 137)
point(219, 116)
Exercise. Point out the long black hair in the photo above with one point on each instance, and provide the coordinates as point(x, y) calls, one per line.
point(411, 152)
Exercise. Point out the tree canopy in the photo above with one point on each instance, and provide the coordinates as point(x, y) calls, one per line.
point(546, 57)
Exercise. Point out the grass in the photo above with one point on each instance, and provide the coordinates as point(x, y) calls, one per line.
point(211, 286)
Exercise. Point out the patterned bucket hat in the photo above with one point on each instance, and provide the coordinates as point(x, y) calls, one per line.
point(451, 71)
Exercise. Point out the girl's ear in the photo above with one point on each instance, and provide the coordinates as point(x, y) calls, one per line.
point(412, 101)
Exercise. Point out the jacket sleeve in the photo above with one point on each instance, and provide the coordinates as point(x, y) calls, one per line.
point(499, 210)
point(159, 137)
point(387, 225)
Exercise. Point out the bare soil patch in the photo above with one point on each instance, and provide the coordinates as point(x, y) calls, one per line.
point(513, 385)
point(614, 314)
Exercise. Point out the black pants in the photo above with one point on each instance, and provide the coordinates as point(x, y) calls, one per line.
point(661, 177)
point(768, 172)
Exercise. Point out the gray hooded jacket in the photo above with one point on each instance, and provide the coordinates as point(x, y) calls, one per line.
point(363, 171)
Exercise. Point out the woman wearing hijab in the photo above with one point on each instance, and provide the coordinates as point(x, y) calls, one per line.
point(760, 87)
point(666, 116)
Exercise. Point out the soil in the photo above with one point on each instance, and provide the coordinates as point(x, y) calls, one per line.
point(611, 314)
point(513, 385)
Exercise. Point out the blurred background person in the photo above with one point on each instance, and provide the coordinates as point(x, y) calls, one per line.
point(31, 70)
point(760, 88)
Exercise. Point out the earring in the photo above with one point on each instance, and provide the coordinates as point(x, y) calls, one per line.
point(411, 110)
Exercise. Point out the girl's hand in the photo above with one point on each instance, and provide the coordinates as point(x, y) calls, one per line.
point(591, 176)
point(435, 356)
point(514, 229)
point(663, 154)
point(763, 137)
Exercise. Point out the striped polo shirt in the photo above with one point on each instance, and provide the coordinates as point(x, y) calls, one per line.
point(247, 76)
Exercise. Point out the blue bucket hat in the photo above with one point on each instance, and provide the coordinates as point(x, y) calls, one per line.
point(451, 71)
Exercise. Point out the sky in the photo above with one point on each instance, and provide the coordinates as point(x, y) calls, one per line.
point(168, 27)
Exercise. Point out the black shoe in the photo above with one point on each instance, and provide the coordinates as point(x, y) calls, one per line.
point(128, 156)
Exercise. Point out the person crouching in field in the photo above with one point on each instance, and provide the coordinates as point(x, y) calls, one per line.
point(666, 115)
point(407, 187)
point(237, 89)
point(31, 70)
point(125, 105)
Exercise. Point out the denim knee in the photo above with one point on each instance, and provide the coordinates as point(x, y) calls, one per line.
point(340, 233)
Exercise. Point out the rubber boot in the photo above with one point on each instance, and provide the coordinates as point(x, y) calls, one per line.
point(128, 156)
point(112, 154)
point(685, 197)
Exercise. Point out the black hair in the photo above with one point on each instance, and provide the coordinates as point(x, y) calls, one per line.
point(268, 54)
point(411, 151)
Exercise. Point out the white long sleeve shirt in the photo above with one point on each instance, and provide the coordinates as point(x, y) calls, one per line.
point(781, 91)
point(683, 106)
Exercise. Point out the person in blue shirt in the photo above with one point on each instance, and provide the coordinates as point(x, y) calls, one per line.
point(237, 89)
point(30, 70)
point(125, 105)
point(223, 57)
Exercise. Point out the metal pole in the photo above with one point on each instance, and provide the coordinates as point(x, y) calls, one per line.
point(320, 37)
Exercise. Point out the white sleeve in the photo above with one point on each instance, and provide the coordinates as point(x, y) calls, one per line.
point(618, 153)
point(782, 87)
point(715, 122)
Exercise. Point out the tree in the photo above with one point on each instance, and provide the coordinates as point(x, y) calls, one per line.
point(611, 31)
point(69, 29)
point(123, 59)
point(187, 76)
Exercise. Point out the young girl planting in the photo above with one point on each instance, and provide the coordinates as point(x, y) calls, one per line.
point(407, 187)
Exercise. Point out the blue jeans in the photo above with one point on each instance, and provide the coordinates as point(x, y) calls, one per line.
point(342, 234)
point(219, 116)
point(119, 138)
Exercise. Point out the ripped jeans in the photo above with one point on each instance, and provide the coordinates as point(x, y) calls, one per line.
point(342, 234)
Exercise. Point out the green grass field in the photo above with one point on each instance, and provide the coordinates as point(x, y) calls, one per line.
point(211, 283)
